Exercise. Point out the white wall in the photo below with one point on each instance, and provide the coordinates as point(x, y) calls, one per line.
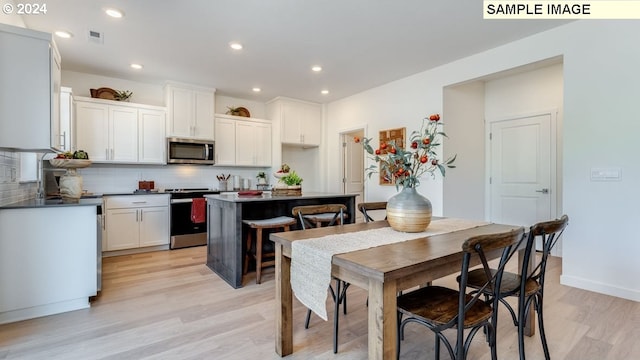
point(143, 93)
point(12, 19)
point(600, 123)
point(256, 108)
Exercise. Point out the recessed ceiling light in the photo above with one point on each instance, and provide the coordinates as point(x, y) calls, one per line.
point(63, 34)
point(136, 66)
point(235, 46)
point(324, 92)
point(115, 13)
point(256, 89)
point(316, 68)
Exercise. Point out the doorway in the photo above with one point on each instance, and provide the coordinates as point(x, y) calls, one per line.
point(353, 167)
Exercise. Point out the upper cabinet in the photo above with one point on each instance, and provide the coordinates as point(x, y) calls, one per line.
point(190, 111)
point(242, 141)
point(29, 90)
point(300, 121)
point(114, 132)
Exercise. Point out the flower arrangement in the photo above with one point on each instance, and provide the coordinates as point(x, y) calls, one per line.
point(405, 167)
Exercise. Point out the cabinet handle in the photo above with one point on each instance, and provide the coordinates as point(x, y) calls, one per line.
point(140, 215)
point(138, 202)
point(111, 155)
point(106, 154)
point(63, 137)
point(136, 215)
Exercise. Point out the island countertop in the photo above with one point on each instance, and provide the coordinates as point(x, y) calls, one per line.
point(267, 196)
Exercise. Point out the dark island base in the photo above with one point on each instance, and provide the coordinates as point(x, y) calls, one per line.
point(226, 244)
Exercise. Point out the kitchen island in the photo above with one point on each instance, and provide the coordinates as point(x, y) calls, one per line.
point(226, 235)
point(48, 257)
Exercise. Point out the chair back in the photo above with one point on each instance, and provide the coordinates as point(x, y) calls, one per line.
point(548, 232)
point(371, 206)
point(306, 212)
point(480, 247)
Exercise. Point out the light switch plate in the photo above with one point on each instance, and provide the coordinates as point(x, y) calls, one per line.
point(606, 174)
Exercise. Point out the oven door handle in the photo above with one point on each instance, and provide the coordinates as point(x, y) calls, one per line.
point(178, 201)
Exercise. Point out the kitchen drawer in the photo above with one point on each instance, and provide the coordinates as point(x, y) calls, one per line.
point(135, 201)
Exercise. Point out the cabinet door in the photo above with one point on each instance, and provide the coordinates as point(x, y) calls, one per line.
point(180, 103)
point(225, 141)
point(122, 229)
point(57, 141)
point(262, 144)
point(154, 226)
point(291, 114)
point(123, 134)
point(151, 139)
point(245, 143)
point(311, 125)
point(92, 130)
point(203, 126)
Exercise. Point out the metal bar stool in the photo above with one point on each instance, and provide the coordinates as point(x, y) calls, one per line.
point(283, 222)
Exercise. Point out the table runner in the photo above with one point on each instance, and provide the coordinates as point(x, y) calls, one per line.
point(311, 258)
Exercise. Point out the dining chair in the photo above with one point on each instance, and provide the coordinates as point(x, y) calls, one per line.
point(440, 308)
point(528, 286)
point(314, 216)
point(320, 215)
point(365, 207)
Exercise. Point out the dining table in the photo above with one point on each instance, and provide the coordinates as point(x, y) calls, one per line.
point(383, 270)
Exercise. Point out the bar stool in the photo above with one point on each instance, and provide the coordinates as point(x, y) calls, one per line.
point(283, 222)
point(365, 207)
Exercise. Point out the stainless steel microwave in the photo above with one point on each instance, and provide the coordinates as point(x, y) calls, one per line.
point(190, 151)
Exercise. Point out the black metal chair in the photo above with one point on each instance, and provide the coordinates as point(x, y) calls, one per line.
point(371, 206)
point(315, 216)
point(440, 308)
point(528, 286)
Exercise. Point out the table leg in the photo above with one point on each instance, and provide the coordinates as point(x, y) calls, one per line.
point(530, 325)
point(284, 304)
point(382, 320)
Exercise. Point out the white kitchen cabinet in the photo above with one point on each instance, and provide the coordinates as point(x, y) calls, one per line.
point(225, 147)
point(136, 221)
point(120, 133)
point(66, 137)
point(190, 111)
point(151, 136)
point(50, 267)
point(242, 141)
point(300, 121)
point(30, 88)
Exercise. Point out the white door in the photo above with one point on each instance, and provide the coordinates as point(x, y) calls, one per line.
point(353, 168)
point(522, 170)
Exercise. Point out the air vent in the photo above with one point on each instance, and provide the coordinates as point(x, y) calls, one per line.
point(95, 37)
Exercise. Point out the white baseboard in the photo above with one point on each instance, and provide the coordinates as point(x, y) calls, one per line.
point(602, 288)
point(44, 310)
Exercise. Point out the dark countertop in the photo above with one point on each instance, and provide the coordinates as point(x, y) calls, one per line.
point(33, 203)
point(266, 196)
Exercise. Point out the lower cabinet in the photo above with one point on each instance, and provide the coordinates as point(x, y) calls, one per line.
point(136, 221)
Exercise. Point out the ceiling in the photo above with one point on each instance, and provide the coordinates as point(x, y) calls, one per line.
point(360, 44)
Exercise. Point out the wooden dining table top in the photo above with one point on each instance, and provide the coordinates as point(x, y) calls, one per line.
point(383, 270)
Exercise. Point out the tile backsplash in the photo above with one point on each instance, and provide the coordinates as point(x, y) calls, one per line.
point(10, 189)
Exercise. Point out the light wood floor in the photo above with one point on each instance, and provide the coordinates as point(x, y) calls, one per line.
point(169, 305)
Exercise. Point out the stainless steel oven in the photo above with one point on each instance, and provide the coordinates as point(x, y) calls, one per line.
point(184, 232)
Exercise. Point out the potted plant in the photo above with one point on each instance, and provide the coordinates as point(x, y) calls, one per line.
point(292, 179)
point(122, 95)
point(262, 178)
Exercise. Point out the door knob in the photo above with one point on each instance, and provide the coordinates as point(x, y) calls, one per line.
point(544, 191)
